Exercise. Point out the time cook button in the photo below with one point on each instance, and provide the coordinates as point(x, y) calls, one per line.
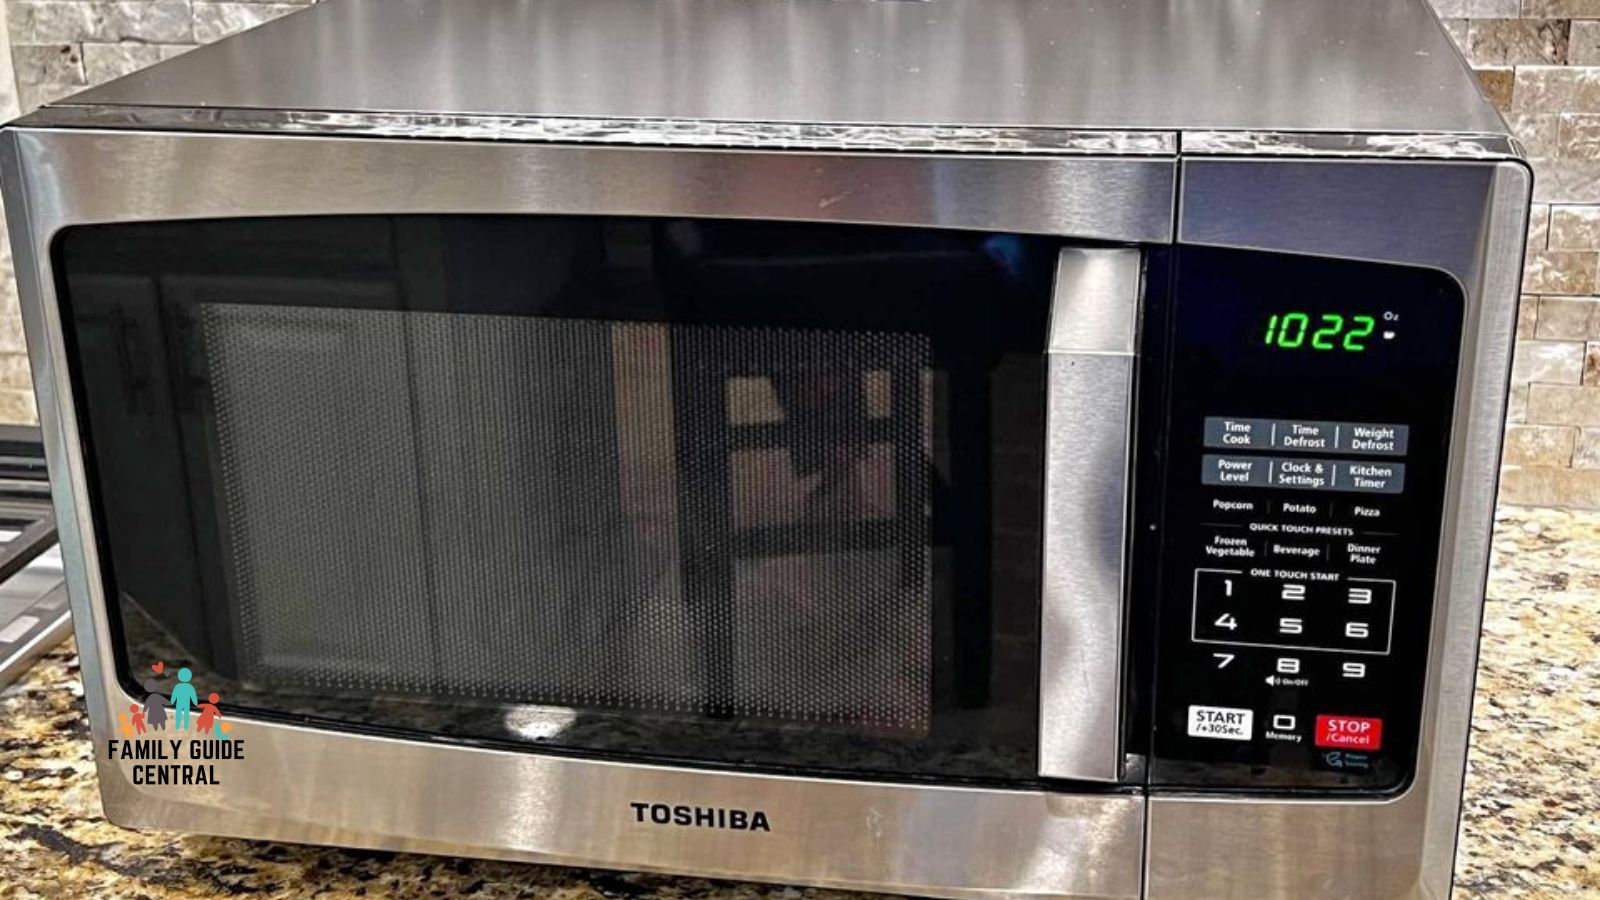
point(1241, 433)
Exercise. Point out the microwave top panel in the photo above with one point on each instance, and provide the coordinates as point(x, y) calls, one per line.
point(1027, 70)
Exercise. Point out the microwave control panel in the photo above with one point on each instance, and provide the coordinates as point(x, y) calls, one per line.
point(1308, 424)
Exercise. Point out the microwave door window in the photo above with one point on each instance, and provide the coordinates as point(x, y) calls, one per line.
point(693, 491)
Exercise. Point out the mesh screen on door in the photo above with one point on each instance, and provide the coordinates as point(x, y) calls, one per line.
point(725, 521)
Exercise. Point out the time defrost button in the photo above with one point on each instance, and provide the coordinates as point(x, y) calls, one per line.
point(1304, 436)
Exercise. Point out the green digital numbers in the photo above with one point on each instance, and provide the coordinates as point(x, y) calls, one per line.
point(1294, 330)
point(1353, 338)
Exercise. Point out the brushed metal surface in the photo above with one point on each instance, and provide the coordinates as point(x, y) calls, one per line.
point(1467, 219)
point(1331, 144)
point(36, 615)
point(636, 132)
point(1419, 213)
point(333, 788)
point(1287, 65)
point(188, 175)
point(1095, 307)
point(363, 791)
point(1088, 455)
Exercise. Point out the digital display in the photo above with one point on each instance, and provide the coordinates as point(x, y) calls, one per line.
point(1321, 331)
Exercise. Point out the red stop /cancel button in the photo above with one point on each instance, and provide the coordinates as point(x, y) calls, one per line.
point(1349, 732)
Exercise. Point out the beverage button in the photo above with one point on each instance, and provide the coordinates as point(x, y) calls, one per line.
point(1372, 477)
point(1224, 723)
point(1349, 732)
point(1235, 471)
point(1305, 436)
point(1297, 550)
point(1242, 434)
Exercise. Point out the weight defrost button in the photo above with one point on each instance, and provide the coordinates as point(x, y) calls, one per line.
point(1383, 440)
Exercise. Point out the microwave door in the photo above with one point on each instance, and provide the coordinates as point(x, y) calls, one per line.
point(1091, 357)
point(748, 493)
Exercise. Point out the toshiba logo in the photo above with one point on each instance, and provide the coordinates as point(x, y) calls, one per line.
point(700, 817)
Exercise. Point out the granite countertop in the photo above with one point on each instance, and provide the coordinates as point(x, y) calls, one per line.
point(1531, 826)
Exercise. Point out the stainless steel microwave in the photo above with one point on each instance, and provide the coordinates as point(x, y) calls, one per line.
point(1029, 448)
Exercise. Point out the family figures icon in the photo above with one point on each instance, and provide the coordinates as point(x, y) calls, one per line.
point(187, 709)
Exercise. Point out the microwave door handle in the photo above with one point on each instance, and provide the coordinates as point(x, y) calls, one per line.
point(1090, 357)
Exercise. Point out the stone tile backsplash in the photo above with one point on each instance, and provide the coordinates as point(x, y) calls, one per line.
point(60, 47)
point(1538, 62)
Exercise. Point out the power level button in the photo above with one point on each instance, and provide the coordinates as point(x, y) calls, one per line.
point(1349, 732)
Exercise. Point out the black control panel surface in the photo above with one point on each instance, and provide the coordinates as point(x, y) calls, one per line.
point(1308, 422)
